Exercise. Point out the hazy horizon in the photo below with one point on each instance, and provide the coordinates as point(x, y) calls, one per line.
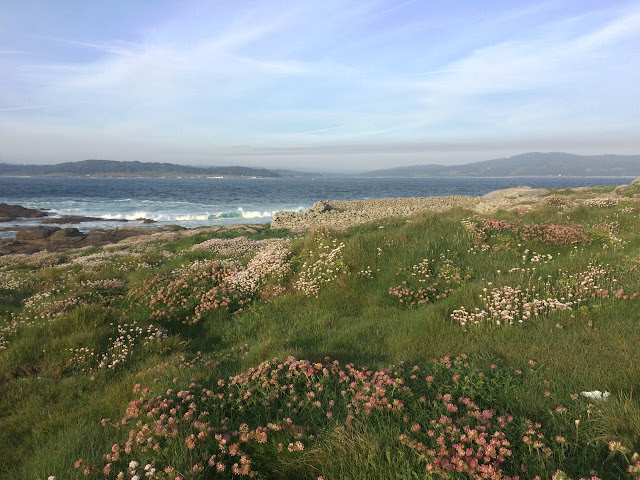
point(330, 86)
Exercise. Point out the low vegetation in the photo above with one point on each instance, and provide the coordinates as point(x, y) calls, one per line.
point(445, 346)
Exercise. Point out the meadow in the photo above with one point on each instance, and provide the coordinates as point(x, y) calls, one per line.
point(442, 346)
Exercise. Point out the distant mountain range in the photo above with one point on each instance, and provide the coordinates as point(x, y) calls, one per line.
point(111, 168)
point(526, 165)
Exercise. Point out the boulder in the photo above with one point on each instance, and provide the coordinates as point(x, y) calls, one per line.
point(321, 207)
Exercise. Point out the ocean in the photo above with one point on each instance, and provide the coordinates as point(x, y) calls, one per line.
point(194, 202)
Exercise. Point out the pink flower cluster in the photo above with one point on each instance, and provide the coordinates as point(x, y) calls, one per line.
point(467, 443)
point(547, 233)
point(253, 423)
point(270, 263)
point(188, 293)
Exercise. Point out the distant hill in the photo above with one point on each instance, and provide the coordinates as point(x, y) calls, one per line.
point(111, 168)
point(526, 165)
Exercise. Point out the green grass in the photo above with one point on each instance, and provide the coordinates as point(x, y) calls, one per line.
point(52, 409)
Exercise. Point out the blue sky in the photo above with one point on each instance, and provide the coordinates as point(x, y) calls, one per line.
point(317, 84)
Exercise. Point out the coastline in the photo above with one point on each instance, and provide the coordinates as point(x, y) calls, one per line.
point(344, 214)
point(338, 214)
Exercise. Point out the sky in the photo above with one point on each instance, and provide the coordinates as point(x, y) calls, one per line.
point(317, 85)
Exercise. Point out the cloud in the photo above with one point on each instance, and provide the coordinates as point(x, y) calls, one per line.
point(380, 75)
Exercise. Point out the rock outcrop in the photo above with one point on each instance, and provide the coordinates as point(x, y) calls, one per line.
point(72, 219)
point(343, 214)
point(12, 212)
point(56, 239)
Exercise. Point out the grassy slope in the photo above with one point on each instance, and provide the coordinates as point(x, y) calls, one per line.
point(51, 410)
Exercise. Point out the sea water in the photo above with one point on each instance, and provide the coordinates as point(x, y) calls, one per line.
point(194, 202)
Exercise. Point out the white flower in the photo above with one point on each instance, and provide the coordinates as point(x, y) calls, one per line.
point(133, 464)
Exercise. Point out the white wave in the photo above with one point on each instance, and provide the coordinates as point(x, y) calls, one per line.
point(136, 216)
point(254, 214)
point(192, 217)
point(239, 213)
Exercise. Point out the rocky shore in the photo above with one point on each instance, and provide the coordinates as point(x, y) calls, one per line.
point(332, 214)
point(343, 214)
point(56, 239)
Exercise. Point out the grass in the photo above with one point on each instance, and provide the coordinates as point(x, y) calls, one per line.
point(337, 380)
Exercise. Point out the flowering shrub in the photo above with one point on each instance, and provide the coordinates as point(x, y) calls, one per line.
point(422, 284)
point(467, 443)
point(101, 291)
point(38, 259)
point(611, 231)
point(547, 232)
point(323, 267)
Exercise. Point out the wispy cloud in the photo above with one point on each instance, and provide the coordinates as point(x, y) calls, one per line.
point(22, 107)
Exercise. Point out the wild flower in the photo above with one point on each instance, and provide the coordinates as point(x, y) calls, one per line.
point(508, 306)
point(596, 282)
point(282, 406)
point(547, 233)
point(230, 246)
point(38, 259)
point(428, 281)
point(190, 292)
point(615, 446)
point(560, 201)
point(325, 264)
point(603, 202)
point(534, 257)
point(122, 348)
point(11, 281)
point(366, 273)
